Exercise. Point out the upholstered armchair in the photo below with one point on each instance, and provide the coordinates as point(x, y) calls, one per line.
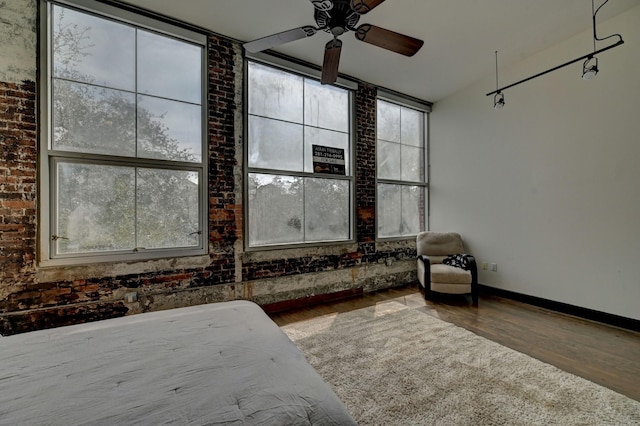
point(441, 269)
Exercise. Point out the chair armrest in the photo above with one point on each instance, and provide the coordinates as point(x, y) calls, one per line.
point(473, 267)
point(426, 278)
point(471, 260)
point(424, 258)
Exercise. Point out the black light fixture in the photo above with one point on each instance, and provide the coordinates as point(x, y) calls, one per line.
point(498, 99)
point(589, 66)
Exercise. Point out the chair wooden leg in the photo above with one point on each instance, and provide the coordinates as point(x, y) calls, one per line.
point(428, 294)
point(474, 295)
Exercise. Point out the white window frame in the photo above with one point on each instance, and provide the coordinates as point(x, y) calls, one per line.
point(307, 73)
point(48, 157)
point(425, 108)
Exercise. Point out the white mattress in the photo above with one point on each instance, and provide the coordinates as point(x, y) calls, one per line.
point(223, 363)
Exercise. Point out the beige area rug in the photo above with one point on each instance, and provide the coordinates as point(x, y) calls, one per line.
point(393, 365)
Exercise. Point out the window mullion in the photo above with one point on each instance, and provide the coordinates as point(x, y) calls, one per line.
point(135, 83)
point(400, 139)
point(304, 180)
point(135, 174)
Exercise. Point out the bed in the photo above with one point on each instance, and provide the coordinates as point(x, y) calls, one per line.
point(222, 363)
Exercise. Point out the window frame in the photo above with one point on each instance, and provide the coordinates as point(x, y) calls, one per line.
point(425, 109)
point(305, 72)
point(48, 157)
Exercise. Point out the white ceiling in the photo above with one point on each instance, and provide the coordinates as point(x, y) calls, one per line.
point(460, 35)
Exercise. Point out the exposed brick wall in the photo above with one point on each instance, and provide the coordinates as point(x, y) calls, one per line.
point(17, 186)
point(366, 164)
point(28, 301)
point(41, 319)
point(224, 209)
point(298, 265)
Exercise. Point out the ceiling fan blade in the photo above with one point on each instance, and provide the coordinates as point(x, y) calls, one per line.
point(364, 6)
point(268, 42)
point(388, 39)
point(324, 5)
point(331, 61)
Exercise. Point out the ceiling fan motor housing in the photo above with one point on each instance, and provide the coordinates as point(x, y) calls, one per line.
point(340, 19)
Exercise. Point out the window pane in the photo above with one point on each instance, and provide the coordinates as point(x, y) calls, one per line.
point(101, 73)
point(168, 209)
point(388, 121)
point(315, 136)
point(401, 149)
point(287, 114)
point(388, 160)
point(389, 210)
point(412, 164)
point(169, 130)
point(326, 209)
point(275, 94)
point(275, 144)
point(169, 68)
point(92, 119)
point(401, 210)
point(95, 209)
point(412, 127)
point(93, 50)
point(326, 106)
point(412, 210)
point(276, 209)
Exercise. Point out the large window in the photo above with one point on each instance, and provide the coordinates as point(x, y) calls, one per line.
point(401, 170)
point(293, 199)
point(124, 141)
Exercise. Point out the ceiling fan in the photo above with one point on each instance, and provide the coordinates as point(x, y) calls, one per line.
point(338, 17)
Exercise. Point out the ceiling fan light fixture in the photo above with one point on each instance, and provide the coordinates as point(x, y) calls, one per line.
point(590, 68)
point(498, 101)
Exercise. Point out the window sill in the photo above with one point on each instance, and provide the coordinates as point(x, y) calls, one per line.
point(278, 253)
point(390, 244)
point(53, 272)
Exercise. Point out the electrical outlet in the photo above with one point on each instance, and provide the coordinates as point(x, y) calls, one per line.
point(494, 267)
point(485, 266)
point(131, 297)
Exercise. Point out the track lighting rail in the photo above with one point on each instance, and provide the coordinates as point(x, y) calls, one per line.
point(589, 68)
point(589, 55)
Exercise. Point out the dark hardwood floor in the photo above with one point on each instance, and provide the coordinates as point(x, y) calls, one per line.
point(600, 353)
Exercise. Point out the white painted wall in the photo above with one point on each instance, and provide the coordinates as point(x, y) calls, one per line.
point(549, 187)
point(17, 40)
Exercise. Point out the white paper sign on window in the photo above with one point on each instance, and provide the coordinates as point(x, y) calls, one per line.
point(328, 160)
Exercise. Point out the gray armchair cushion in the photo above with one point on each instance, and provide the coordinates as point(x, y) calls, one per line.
point(446, 274)
point(439, 243)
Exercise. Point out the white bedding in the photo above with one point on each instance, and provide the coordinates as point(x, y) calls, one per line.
point(222, 363)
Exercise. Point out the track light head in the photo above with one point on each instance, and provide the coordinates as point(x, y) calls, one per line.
point(590, 68)
point(498, 100)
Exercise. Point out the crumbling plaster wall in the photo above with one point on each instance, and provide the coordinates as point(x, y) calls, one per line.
point(18, 40)
point(34, 297)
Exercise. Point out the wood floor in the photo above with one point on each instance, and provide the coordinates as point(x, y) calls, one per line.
point(600, 353)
